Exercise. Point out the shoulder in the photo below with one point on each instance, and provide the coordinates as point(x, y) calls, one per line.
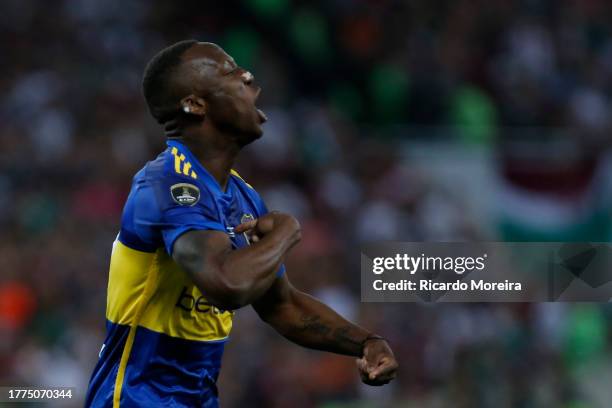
point(245, 187)
point(172, 181)
point(171, 164)
point(240, 180)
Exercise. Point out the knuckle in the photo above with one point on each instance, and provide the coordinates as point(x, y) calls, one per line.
point(296, 225)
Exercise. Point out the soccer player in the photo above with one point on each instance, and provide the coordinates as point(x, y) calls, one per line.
point(197, 242)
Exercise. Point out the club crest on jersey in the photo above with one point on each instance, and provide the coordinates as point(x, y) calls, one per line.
point(246, 218)
point(185, 194)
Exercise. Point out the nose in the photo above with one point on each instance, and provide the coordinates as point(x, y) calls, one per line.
point(247, 77)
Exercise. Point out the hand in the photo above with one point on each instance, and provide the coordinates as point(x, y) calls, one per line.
point(258, 228)
point(377, 366)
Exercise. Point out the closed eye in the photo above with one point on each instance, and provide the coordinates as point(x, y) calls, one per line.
point(231, 72)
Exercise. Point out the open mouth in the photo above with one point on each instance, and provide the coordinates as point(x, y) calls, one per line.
point(262, 116)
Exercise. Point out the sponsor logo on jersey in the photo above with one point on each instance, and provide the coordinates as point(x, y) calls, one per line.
point(189, 302)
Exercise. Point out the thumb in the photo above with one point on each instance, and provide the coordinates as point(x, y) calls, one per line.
point(375, 371)
point(245, 226)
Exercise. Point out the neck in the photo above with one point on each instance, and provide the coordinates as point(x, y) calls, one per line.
point(216, 151)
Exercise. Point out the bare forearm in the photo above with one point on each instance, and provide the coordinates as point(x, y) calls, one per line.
point(310, 323)
point(231, 278)
point(252, 270)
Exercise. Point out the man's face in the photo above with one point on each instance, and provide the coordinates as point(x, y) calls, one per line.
point(228, 90)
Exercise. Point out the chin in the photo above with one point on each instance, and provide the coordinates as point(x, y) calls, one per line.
point(251, 136)
point(259, 132)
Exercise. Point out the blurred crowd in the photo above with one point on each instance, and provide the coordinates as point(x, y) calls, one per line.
point(389, 120)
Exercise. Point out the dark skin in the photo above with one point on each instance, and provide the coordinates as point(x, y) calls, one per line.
point(218, 117)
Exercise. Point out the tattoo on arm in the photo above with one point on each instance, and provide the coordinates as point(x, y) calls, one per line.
point(341, 334)
point(335, 337)
point(306, 321)
point(313, 325)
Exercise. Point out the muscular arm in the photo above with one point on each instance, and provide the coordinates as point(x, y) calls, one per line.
point(309, 323)
point(306, 321)
point(234, 278)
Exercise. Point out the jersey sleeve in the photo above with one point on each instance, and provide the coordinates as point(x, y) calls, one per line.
point(176, 220)
point(165, 207)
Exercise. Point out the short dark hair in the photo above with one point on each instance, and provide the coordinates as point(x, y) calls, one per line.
point(157, 80)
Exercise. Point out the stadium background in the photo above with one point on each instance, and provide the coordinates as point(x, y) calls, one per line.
point(406, 120)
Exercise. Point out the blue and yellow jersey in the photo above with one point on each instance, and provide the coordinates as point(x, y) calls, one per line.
point(164, 340)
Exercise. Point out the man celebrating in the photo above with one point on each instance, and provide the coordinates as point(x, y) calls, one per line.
point(197, 242)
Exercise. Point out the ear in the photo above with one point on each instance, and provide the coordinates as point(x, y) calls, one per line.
point(193, 105)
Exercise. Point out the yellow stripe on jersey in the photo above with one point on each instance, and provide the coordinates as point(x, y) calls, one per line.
point(141, 303)
point(175, 305)
point(179, 309)
point(129, 270)
point(235, 173)
point(186, 168)
point(178, 164)
point(150, 290)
